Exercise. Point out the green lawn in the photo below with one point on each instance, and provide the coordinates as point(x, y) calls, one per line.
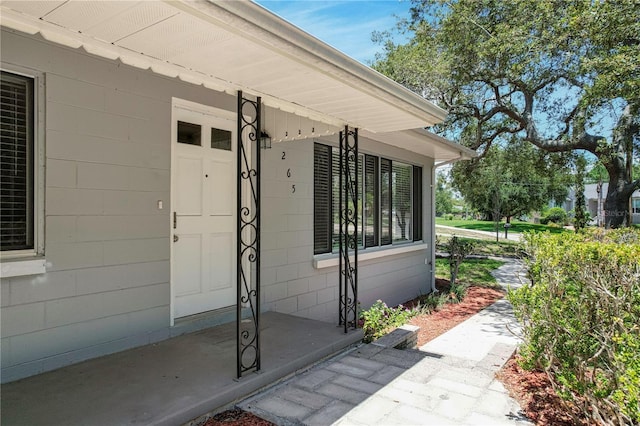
point(472, 271)
point(482, 225)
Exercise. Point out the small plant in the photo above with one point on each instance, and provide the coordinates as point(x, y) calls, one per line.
point(379, 319)
point(457, 293)
point(427, 303)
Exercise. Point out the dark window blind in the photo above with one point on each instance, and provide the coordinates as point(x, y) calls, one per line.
point(16, 161)
point(322, 206)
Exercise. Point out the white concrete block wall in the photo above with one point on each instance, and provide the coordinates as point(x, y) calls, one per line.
point(107, 244)
point(290, 283)
point(108, 156)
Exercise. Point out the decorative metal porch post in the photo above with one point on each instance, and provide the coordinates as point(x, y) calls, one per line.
point(248, 235)
point(348, 237)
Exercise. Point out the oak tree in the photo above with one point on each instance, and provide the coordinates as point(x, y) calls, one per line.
point(561, 75)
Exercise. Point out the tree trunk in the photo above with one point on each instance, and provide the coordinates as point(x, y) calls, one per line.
point(616, 205)
point(616, 161)
point(402, 222)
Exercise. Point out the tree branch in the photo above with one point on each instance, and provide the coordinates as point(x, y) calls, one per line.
point(632, 186)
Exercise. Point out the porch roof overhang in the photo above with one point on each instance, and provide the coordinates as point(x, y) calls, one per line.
point(423, 142)
point(230, 46)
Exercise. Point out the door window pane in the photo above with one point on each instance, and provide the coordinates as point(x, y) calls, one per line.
point(220, 139)
point(190, 134)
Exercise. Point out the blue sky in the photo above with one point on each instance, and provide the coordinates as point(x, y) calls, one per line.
point(346, 25)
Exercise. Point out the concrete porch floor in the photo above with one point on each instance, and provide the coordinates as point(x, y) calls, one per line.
point(170, 382)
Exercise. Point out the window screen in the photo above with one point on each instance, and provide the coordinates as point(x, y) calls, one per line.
point(371, 200)
point(402, 182)
point(385, 202)
point(417, 203)
point(16, 161)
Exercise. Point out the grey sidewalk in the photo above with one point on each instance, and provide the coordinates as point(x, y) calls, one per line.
point(512, 236)
point(448, 381)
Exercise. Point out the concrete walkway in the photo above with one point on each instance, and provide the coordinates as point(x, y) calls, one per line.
point(470, 233)
point(448, 381)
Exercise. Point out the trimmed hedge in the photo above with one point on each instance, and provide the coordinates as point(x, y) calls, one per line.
point(581, 319)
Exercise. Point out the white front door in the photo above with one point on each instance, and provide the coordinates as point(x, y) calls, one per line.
point(203, 194)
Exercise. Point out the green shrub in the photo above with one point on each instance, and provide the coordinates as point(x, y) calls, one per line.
point(449, 216)
point(581, 319)
point(555, 215)
point(379, 319)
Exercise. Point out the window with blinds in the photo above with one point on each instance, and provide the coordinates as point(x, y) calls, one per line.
point(16, 161)
point(389, 200)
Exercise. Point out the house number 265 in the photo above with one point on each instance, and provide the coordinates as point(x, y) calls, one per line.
point(293, 187)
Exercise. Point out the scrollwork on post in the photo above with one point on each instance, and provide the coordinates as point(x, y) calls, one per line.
point(248, 235)
point(348, 232)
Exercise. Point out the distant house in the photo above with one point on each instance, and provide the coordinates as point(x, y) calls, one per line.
point(135, 195)
point(568, 204)
point(594, 197)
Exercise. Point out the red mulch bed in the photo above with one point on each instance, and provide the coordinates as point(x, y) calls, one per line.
point(452, 314)
point(534, 393)
point(237, 417)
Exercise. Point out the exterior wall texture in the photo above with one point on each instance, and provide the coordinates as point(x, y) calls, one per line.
point(108, 156)
point(290, 283)
point(107, 244)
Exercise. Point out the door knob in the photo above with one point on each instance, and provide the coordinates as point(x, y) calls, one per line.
point(175, 238)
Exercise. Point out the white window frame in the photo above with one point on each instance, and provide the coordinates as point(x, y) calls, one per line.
point(31, 261)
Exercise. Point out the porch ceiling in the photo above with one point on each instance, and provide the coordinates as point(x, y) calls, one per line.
point(230, 46)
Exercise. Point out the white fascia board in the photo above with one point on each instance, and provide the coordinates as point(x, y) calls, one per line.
point(453, 147)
